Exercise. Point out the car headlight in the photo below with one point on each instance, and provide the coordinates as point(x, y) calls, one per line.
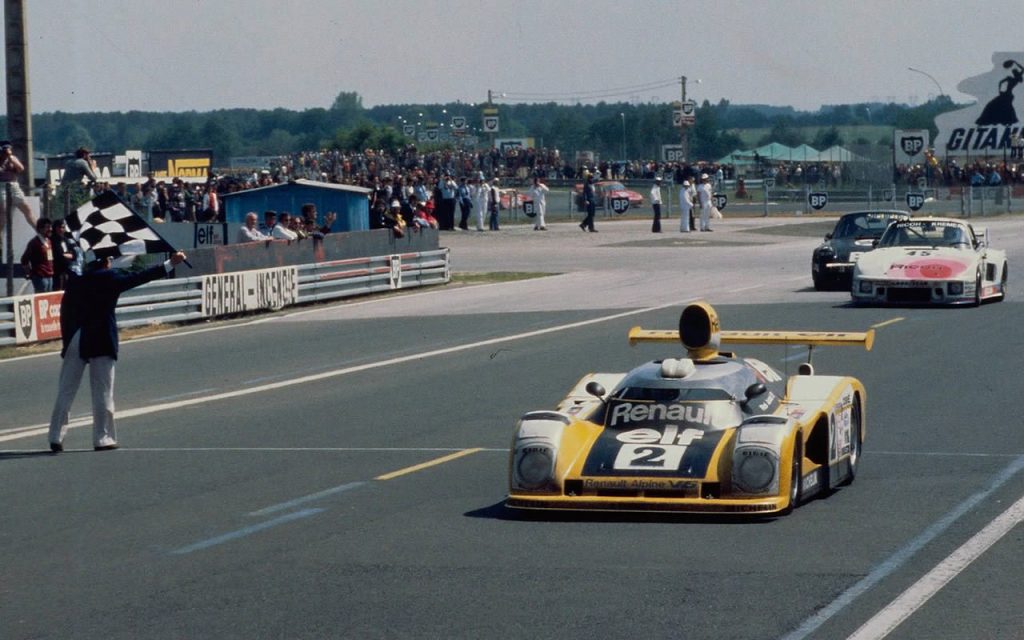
point(825, 251)
point(534, 467)
point(754, 469)
point(865, 286)
point(956, 288)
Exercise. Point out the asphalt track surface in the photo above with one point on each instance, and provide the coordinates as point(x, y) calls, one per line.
point(338, 472)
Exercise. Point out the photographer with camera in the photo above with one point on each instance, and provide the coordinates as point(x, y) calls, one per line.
point(10, 167)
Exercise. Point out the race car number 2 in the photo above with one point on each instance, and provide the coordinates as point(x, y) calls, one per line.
point(645, 456)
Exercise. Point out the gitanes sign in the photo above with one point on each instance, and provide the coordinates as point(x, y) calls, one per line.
point(986, 127)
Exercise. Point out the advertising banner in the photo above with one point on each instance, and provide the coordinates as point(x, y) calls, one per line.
point(37, 317)
point(242, 291)
point(187, 163)
point(909, 145)
point(990, 126)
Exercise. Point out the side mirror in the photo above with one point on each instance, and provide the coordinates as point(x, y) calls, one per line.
point(874, 243)
point(755, 390)
point(596, 389)
point(828, 236)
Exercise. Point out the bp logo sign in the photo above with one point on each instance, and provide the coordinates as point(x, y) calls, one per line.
point(817, 199)
point(458, 122)
point(915, 201)
point(719, 200)
point(529, 208)
point(912, 145)
point(25, 318)
point(619, 204)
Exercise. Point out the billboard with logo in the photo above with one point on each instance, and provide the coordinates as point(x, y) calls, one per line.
point(187, 163)
point(909, 145)
point(37, 317)
point(987, 127)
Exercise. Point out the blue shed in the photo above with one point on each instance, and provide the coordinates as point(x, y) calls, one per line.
point(351, 203)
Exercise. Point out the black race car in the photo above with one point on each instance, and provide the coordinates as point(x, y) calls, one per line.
point(854, 233)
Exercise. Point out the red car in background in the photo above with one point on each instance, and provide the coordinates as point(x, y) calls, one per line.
point(606, 189)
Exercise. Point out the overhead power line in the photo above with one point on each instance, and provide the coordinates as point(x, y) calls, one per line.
point(582, 96)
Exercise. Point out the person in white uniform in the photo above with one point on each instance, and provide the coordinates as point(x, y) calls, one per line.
point(704, 197)
point(481, 195)
point(538, 192)
point(685, 206)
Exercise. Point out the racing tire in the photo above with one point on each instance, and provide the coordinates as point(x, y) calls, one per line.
point(977, 290)
point(1002, 283)
point(855, 443)
point(795, 474)
point(819, 285)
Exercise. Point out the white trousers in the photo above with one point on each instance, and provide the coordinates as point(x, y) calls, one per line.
point(705, 218)
point(101, 382)
point(480, 207)
point(540, 216)
point(684, 219)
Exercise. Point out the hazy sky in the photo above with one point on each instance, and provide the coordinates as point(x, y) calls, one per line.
point(178, 55)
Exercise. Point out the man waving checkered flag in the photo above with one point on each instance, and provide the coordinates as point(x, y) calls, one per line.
point(106, 226)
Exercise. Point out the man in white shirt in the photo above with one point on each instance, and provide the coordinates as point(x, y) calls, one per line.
point(704, 196)
point(248, 232)
point(656, 205)
point(281, 230)
point(538, 193)
point(685, 207)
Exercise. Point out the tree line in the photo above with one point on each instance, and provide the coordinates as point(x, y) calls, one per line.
point(606, 128)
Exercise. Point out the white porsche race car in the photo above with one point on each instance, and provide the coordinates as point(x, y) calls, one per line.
point(930, 261)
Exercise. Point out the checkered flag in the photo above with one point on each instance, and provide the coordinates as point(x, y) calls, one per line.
point(107, 226)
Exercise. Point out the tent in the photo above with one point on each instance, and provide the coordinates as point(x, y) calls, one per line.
point(805, 153)
point(738, 157)
point(774, 151)
point(836, 153)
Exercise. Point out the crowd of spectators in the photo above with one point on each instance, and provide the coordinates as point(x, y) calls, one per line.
point(977, 173)
point(417, 179)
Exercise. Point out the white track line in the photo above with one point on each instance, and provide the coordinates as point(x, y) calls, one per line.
point(903, 555)
point(36, 430)
point(886, 620)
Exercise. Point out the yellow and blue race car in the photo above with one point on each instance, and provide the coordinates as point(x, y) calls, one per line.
point(707, 432)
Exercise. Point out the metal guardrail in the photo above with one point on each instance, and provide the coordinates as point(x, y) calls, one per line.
point(182, 299)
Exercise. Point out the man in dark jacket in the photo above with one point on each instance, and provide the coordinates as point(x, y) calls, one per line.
point(89, 332)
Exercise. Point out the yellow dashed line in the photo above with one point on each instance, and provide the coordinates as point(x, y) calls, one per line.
point(429, 463)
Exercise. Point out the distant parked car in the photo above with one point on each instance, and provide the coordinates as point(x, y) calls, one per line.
point(606, 189)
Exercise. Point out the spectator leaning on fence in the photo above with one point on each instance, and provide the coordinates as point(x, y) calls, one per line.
point(248, 231)
point(37, 260)
point(281, 230)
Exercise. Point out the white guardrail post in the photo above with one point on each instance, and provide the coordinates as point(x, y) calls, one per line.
point(34, 318)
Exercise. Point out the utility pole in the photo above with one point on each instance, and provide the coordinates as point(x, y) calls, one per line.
point(19, 120)
point(684, 128)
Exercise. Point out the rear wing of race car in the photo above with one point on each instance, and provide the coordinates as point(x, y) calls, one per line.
point(701, 334)
point(808, 338)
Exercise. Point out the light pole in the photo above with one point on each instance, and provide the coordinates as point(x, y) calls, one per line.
point(623, 116)
point(930, 77)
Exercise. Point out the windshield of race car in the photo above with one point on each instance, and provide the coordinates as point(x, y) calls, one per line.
point(927, 233)
point(864, 225)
